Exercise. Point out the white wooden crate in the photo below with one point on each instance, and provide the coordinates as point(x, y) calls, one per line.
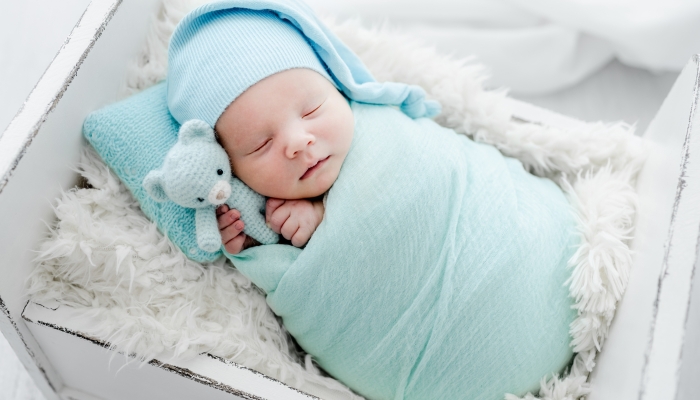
point(653, 348)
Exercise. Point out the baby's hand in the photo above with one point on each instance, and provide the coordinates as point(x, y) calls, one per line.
point(231, 229)
point(296, 220)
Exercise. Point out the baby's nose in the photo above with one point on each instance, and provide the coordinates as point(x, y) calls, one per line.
point(297, 145)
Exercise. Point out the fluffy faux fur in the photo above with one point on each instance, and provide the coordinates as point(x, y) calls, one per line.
point(105, 257)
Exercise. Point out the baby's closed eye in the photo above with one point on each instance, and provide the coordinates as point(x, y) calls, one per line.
point(312, 111)
point(261, 146)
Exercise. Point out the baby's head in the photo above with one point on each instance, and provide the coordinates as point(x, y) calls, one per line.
point(287, 135)
point(255, 79)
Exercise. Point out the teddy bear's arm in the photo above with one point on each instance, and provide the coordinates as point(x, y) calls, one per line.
point(251, 205)
point(208, 236)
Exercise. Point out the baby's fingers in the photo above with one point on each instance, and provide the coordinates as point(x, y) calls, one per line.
point(221, 209)
point(279, 218)
point(270, 206)
point(228, 218)
point(290, 228)
point(235, 245)
point(232, 231)
point(301, 236)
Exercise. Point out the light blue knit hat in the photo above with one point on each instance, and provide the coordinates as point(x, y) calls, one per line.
point(217, 56)
point(222, 48)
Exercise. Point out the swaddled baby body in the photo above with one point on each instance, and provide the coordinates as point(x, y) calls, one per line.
point(436, 269)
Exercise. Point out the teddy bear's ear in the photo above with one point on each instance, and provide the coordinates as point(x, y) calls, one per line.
point(196, 130)
point(153, 183)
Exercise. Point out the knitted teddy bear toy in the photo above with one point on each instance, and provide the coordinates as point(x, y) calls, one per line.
point(196, 174)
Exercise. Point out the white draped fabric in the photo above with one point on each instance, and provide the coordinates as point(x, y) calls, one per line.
point(540, 46)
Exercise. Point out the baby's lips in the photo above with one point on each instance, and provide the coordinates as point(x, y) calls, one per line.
point(312, 168)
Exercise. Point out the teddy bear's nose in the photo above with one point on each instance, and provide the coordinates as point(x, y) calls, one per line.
point(219, 193)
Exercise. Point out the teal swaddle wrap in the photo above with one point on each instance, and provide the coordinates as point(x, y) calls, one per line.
point(438, 270)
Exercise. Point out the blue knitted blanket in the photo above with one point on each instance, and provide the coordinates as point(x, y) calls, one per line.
point(133, 137)
point(438, 270)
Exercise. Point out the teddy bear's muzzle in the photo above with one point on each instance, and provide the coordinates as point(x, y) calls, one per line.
point(219, 193)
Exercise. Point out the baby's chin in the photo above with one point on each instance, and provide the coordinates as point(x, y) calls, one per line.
point(309, 190)
point(295, 192)
point(318, 189)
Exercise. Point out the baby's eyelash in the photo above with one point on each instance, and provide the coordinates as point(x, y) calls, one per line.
point(312, 111)
point(261, 146)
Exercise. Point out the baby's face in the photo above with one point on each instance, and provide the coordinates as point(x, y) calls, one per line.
point(287, 136)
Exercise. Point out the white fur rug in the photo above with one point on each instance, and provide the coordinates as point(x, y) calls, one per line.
point(105, 257)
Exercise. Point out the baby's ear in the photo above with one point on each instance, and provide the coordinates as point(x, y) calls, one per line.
point(153, 183)
point(196, 130)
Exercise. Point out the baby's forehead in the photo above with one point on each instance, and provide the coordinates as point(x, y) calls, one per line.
point(288, 88)
point(271, 102)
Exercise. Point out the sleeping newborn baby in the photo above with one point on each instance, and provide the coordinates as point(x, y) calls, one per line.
point(433, 268)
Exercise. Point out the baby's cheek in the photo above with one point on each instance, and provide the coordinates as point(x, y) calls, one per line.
point(270, 180)
point(245, 170)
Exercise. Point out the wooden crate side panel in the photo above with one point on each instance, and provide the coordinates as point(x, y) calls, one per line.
point(89, 366)
point(40, 147)
point(660, 375)
point(647, 331)
point(689, 384)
